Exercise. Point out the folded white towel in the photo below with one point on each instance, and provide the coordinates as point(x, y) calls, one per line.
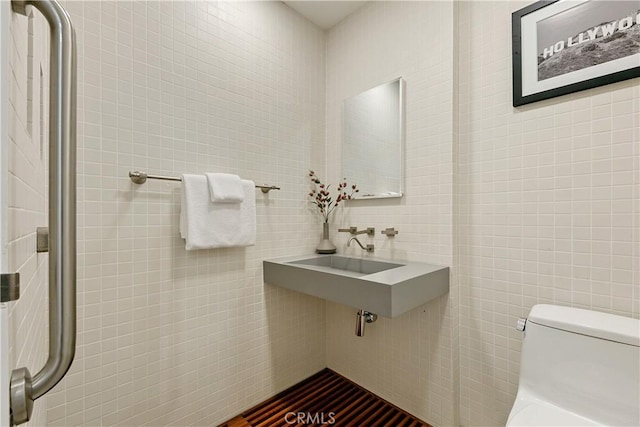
point(225, 188)
point(207, 225)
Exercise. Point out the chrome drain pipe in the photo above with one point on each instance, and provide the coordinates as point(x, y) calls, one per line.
point(363, 317)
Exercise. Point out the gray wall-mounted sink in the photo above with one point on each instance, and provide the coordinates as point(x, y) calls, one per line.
point(387, 288)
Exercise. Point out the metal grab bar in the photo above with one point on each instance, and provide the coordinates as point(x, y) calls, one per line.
point(62, 213)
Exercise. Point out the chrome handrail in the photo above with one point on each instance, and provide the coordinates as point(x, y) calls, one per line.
point(62, 213)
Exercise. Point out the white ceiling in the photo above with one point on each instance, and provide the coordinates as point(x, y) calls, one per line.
point(325, 14)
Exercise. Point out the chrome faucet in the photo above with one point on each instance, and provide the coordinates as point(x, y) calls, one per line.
point(368, 248)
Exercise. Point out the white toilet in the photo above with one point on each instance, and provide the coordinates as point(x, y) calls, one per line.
point(578, 368)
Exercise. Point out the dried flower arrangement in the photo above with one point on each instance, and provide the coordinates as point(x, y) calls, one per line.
point(321, 196)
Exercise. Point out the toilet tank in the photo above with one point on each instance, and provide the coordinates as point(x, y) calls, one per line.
point(583, 361)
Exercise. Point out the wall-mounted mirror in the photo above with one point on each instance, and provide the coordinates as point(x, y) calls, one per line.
point(373, 140)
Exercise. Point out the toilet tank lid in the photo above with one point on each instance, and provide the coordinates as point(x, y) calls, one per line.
point(586, 322)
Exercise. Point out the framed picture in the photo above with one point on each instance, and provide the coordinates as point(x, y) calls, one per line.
point(565, 46)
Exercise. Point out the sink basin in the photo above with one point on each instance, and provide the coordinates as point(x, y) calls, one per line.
point(387, 288)
point(359, 266)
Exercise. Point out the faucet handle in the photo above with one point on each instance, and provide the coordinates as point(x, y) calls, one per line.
point(390, 232)
point(369, 231)
point(350, 230)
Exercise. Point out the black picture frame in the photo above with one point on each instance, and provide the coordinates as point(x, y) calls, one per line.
point(525, 83)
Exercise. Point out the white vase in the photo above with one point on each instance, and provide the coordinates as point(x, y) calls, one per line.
point(325, 246)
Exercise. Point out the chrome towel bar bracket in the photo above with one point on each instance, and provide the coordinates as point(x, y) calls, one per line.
point(141, 177)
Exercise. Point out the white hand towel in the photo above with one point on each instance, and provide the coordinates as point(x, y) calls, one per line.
point(225, 188)
point(207, 225)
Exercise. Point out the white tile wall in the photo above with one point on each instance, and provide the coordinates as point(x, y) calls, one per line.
point(166, 336)
point(27, 193)
point(548, 207)
point(408, 360)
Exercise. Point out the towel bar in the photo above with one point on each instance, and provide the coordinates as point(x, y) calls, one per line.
point(141, 177)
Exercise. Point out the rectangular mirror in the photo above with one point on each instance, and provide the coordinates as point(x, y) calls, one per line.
point(373, 141)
